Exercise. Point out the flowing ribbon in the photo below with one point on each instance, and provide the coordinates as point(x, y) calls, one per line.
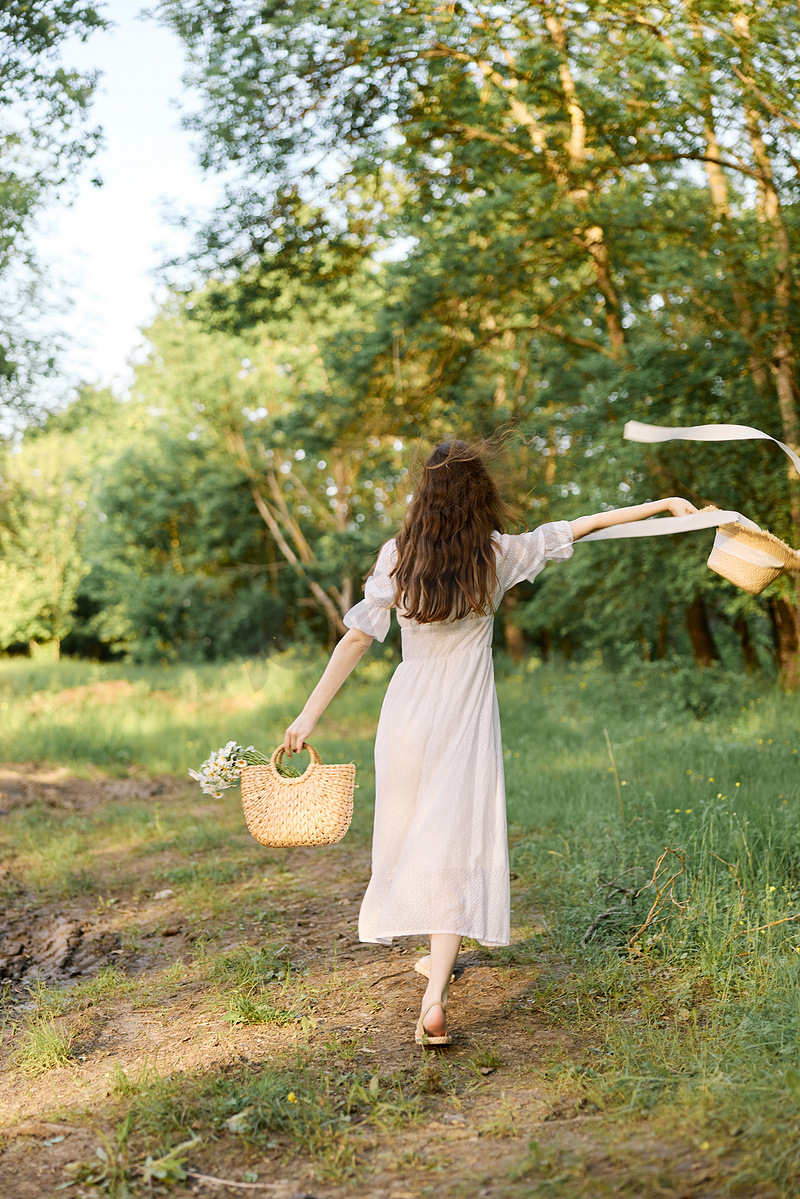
point(635, 431)
point(660, 526)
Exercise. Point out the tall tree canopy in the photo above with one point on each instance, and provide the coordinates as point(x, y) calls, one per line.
point(585, 212)
point(533, 218)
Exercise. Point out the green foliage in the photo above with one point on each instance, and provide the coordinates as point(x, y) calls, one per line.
point(530, 223)
point(42, 145)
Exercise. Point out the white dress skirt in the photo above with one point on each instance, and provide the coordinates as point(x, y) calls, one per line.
point(440, 847)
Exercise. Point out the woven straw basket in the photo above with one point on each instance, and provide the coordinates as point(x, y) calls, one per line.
point(751, 558)
point(314, 809)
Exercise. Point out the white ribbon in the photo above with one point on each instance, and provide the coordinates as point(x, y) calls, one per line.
point(660, 526)
point(635, 431)
point(747, 553)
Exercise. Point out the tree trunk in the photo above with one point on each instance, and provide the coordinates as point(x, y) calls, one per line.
point(787, 641)
point(513, 636)
point(742, 630)
point(705, 650)
point(644, 643)
point(545, 643)
point(662, 641)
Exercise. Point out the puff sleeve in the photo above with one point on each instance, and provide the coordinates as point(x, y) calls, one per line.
point(373, 614)
point(525, 555)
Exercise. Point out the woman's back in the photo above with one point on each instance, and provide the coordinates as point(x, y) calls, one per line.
point(519, 557)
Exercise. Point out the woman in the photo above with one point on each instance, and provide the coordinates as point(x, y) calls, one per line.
point(440, 851)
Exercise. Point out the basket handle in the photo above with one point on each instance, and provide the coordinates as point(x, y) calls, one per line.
point(277, 756)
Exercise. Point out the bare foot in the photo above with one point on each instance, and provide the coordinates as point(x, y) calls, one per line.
point(435, 1022)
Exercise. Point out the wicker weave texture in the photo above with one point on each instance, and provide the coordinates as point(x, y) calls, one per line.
point(314, 809)
point(750, 576)
point(743, 574)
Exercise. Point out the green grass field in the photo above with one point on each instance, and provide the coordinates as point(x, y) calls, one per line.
point(653, 823)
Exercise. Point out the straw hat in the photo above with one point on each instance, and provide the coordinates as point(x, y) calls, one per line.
point(751, 558)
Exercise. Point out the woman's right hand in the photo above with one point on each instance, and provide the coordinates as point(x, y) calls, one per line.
point(680, 507)
point(298, 733)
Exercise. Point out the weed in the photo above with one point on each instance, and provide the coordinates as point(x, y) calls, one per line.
point(505, 1123)
point(486, 1059)
point(110, 982)
point(44, 1045)
point(341, 1048)
point(200, 873)
point(78, 882)
point(112, 1171)
point(124, 1084)
point(308, 1108)
point(428, 1079)
point(245, 968)
point(244, 1010)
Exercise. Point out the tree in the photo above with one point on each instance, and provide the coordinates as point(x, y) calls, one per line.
point(44, 141)
point(46, 486)
point(261, 408)
point(595, 201)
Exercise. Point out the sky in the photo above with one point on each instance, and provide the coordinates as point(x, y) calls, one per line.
point(107, 246)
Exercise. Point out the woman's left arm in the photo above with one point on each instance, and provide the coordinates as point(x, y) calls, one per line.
point(618, 516)
point(343, 661)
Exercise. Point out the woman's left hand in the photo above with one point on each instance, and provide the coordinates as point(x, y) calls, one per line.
point(680, 507)
point(298, 733)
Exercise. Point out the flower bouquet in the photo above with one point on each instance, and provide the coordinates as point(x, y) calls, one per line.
point(223, 768)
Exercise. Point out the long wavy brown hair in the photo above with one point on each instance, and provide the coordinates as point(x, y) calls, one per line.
point(447, 563)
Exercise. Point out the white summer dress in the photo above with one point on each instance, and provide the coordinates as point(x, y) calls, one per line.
point(440, 848)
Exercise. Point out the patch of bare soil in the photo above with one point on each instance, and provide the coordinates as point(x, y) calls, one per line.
point(493, 1120)
point(52, 947)
point(29, 782)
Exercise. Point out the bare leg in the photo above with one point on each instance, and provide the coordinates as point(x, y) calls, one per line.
point(444, 951)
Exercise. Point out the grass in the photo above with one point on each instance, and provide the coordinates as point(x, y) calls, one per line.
point(656, 868)
point(246, 1010)
point(43, 1045)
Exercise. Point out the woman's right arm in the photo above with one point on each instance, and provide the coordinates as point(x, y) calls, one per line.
point(343, 661)
point(619, 516)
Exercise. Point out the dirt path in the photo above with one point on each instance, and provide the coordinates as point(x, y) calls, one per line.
point(504, 1112)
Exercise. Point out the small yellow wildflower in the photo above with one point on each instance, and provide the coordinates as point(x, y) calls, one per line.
point(688, 811)
point(772, 888)
point(711, 778)
point(737, 784)
point(291, 1097)
point(677, 809)
point(622, 783)
point(688, 772)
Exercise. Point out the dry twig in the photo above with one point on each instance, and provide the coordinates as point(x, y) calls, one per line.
point(211, 1180)
point(665, 892)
